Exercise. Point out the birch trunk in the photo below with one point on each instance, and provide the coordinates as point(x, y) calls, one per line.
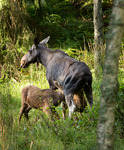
point(109, 88)
point(98, 36)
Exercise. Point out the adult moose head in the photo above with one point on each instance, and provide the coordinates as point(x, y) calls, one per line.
point(71, 74)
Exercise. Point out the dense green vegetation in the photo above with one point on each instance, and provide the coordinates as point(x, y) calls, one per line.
point(41, 134)
point(70, 25)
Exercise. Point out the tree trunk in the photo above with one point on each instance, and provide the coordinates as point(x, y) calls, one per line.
point(109, 88)
point(98, 36)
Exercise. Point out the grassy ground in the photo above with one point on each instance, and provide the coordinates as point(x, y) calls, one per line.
point(42, 135)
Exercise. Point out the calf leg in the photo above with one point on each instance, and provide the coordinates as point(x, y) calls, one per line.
point(26, 112)
point(70, 103)
point(21, 113)
point(23, 110)
point(48, 112)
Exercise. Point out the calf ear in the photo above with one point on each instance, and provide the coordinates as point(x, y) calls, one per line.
point(56, 83)
point(36, 41)
point(45, 41)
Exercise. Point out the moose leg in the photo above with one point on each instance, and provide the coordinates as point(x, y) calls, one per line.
point(88, 92)
point(26, 112)
point(22, 110)
point(48, 112)
point(21, 113)
point(70, 103)
point(64, 108)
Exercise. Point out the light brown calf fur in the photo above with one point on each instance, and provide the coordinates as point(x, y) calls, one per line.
point(45, 100)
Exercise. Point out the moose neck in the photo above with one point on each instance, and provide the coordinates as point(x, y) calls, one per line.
point(45, 56)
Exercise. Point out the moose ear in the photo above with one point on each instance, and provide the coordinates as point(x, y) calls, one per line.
point(36, 41)
point(45, 41)
point(56, 83)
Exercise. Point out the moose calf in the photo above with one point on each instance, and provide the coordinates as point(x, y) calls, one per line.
point(45, 100)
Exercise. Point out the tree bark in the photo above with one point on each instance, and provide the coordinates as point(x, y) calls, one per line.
point(109, 88)
point(98, 36)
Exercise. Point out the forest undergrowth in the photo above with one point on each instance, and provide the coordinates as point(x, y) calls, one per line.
point(42, 134)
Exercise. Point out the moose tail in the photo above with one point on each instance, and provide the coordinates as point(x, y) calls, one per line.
point(88, 92)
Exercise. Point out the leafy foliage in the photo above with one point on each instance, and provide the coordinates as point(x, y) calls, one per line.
point(43, 18)
point(120, 107)
point(11, 64)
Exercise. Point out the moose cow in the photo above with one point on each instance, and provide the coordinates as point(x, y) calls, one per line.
point(71, 74)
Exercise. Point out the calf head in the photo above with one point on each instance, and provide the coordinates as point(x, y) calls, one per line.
point(33, 52)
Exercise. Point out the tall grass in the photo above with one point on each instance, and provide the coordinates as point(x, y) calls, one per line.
point(42, 134)
point(65, 134)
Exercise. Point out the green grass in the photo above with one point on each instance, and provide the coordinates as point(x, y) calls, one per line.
point(64, 134)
